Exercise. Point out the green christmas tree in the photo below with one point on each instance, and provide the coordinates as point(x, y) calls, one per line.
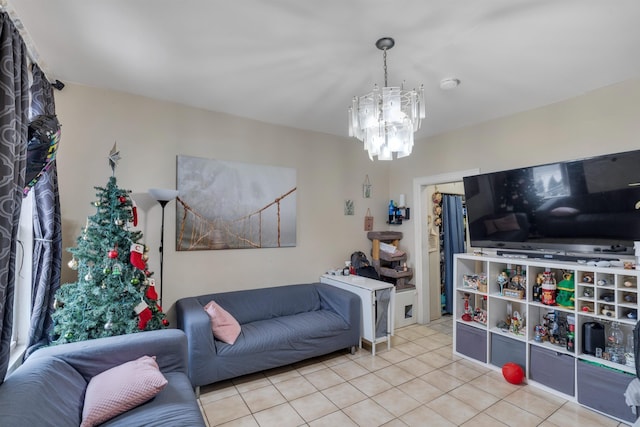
point(114, 293)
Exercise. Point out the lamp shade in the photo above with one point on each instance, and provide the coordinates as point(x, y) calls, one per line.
point(163, 194)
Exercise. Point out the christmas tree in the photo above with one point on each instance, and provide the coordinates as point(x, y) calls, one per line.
point(114, 293)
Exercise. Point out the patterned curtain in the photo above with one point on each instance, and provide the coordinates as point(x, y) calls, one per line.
point(47, 229)
point(14, 96)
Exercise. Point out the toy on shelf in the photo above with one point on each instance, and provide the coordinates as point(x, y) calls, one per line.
point(537, 288)
point(477, 282)
point(516, 325)
point(565, 295)
point(540, 333)
point(467, 316)
point(548, 288)
point(512, 285)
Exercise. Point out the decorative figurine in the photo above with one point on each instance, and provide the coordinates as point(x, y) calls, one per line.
point(467, 315)
point(548, 288)
point(565, 297)
point(503, 279)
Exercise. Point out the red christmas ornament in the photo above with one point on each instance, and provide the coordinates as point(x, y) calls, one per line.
point(113, 253)
point(513, 373)
point(165, 322)
point(122, 199)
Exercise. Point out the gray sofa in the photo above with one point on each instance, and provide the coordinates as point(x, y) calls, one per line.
point(48, 389)
point(279, 326)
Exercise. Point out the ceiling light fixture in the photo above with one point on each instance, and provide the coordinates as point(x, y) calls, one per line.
point(385, 119)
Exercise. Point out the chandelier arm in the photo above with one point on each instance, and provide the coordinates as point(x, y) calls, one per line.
point(384, 58)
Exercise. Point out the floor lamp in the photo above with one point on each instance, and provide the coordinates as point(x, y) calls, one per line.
point(162, 196)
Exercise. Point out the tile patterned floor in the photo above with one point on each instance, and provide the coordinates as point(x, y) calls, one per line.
point(419, 382)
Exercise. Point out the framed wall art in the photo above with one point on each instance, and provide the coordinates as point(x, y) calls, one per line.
point(233, 205)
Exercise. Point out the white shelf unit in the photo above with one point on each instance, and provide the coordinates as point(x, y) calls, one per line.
point(367, 289)
point(574, 375)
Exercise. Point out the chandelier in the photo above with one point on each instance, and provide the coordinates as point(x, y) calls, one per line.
point(385, 119)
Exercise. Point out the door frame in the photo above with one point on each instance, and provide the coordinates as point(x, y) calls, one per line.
point(420, 243)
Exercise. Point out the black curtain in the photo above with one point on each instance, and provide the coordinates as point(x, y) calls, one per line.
point(47, 229)
point(14, 95)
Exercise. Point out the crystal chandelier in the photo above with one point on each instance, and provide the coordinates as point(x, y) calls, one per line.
point(386, 118)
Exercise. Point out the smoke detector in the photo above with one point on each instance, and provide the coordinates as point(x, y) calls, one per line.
point(450, 83)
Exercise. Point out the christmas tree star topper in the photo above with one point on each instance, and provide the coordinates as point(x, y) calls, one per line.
point(114, 157)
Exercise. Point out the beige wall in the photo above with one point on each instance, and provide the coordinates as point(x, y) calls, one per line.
point(150, 134)
point(330, 169)
point(602, 121)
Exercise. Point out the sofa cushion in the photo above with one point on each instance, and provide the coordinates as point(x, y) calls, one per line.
point(121, 388)
point(267, 303)
point(284, 333)
point(52, 390)
point(224, 326)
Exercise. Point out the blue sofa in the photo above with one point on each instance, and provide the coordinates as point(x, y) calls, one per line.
point(279, 326)
point(48, 389)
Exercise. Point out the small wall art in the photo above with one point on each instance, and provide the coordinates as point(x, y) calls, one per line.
point(349, 208)
point(366, 188)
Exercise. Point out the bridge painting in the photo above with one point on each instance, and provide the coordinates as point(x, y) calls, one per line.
point(233, 205)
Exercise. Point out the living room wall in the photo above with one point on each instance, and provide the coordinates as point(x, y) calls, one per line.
point(598, 122)
point(151, 133)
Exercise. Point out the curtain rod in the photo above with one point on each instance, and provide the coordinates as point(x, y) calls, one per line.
point(32, 52)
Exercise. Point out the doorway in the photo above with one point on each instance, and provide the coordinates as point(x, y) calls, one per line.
point(428, 287)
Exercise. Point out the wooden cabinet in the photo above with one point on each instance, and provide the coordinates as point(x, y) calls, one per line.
point(497, 322)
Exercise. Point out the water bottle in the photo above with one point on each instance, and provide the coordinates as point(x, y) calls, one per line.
point(392, 212)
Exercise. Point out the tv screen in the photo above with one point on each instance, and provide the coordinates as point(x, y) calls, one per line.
point(589, 206)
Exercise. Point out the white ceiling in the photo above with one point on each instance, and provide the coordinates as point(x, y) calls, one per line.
point(299, 62)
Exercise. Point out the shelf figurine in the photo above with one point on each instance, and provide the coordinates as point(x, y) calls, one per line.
point(565, 296)
point(548, 288)
point(467, 316)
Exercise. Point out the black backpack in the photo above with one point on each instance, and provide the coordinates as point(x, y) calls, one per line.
point(360, 262)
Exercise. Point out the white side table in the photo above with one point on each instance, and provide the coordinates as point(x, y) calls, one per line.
point(367, 290)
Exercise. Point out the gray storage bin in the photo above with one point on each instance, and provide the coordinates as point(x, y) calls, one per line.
point(471, 342)
point(505, 350)
point(553, 369)
point(602, 389)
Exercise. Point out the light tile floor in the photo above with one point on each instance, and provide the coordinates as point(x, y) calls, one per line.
point(419, 382)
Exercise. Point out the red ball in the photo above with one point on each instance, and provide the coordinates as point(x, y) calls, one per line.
point(122, 199)
point(513, 373)
point(112, 254)
point(165, 322)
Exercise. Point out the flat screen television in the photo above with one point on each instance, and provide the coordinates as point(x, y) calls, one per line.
point(589, 206)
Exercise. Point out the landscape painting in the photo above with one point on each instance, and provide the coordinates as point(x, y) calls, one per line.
point(233, 205)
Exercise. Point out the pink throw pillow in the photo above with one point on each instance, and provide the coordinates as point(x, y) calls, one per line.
point(121, 388)
point(225, 327)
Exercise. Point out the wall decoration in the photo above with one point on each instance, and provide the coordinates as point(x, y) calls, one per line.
point(349, 208)
point(366, 188)
point(232, 205)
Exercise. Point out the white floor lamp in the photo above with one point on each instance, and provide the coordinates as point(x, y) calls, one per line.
point(162, 196)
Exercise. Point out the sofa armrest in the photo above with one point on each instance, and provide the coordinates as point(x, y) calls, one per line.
point(345, 303)
point(92, 357)
point(195, 323)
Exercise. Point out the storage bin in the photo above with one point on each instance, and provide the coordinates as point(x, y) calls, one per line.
point(554, 369)
point(471, 342)
point(505, 350)
point(602, 389)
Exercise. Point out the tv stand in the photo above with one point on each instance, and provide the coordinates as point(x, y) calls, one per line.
point(602, 295)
